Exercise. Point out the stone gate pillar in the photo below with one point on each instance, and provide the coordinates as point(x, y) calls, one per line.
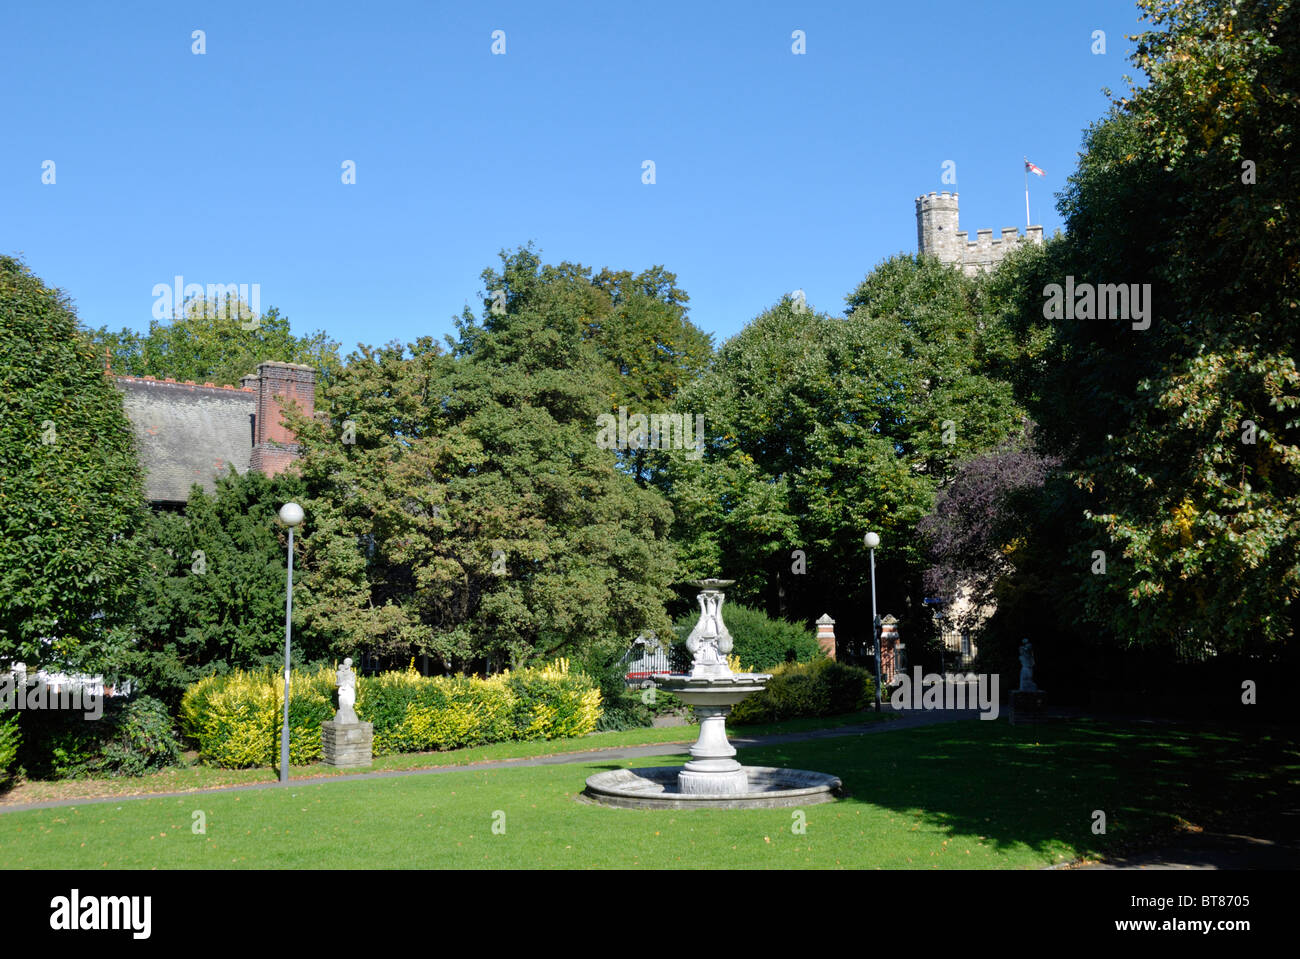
point(889, 664)
point(826, 634)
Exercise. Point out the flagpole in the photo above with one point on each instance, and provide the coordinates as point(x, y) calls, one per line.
point(1026, 193)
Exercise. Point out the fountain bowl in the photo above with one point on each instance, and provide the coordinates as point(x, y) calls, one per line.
point(656, 787)
point(723, 689)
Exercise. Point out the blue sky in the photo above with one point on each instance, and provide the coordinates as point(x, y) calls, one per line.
point(774, 171)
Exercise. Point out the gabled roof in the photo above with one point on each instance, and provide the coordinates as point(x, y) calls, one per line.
point(187, 433)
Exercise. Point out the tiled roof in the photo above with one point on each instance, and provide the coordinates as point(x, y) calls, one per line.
point(187, 433)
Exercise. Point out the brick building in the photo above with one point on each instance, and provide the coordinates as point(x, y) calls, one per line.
point(189, 433)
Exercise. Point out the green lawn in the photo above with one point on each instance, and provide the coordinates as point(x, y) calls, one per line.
point(196, 776)
point(960, 795)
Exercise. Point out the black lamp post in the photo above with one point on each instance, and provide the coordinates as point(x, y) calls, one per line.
point(872, 540)
point(290, 516)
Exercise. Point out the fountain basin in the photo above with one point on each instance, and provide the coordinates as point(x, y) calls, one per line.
point(657, 787)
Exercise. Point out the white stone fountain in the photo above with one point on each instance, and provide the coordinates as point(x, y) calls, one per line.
point(712, 777)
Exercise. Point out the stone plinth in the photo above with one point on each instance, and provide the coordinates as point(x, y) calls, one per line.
point(347, 745)
point(1026, 707)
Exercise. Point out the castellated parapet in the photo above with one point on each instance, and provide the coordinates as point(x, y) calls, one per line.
point(937, 235)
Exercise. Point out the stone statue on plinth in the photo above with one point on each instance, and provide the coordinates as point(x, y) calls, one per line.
point(1027, 667)
point(345, 740)
point(1028, 703)
point(347, 683)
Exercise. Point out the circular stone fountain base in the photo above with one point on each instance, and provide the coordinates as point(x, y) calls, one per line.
point(656, 787)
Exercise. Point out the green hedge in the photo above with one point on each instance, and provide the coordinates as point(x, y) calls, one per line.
point(761, 642)
point(9, 739)
point(820, 688)
point(132, 737)
point(235, 719)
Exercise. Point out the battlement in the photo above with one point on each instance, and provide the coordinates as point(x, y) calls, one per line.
point(937, 235)
point(937, 200)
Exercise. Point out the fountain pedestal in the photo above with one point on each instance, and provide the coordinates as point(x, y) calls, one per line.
point(713, 771)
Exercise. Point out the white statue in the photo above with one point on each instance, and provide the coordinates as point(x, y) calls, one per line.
point(1027, 684)
point(709, 642)
point(347, 683)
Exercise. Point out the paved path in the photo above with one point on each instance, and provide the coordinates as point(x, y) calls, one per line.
point(911, 720)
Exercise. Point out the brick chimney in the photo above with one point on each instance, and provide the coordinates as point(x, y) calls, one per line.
point(279, 385)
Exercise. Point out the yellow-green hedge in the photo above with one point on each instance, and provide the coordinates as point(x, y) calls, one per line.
point(235, 719)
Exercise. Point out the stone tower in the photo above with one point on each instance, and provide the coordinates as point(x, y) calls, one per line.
point(937, 235)
point(936, 226)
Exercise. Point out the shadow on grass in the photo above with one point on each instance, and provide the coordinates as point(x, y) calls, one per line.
point(1042, 786)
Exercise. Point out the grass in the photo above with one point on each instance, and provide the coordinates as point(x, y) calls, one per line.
point(958, 795)
point(195, 777)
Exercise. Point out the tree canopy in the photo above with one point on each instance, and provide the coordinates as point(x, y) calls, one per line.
point(208, 344)
point(822, 428)
point(212, 597)
point(459, 504)
point(71, 493)
point(1182, 437)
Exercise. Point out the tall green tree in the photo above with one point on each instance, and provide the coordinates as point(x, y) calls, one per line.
point(1183, 436)
point(460, 505)
point(646, 346)
point(71, 493)
point(821, 428)
point(213, 594)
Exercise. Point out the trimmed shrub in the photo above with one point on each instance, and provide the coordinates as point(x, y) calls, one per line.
point(414, 713)
point(820, 688)
point(761, 642)
point(142, 739)
point(551, 705)
point(131, 738)
point(234, 719)
point(9, 740)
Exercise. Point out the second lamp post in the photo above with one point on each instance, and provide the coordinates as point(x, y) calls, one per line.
point(290, 516)
point(872, 540)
